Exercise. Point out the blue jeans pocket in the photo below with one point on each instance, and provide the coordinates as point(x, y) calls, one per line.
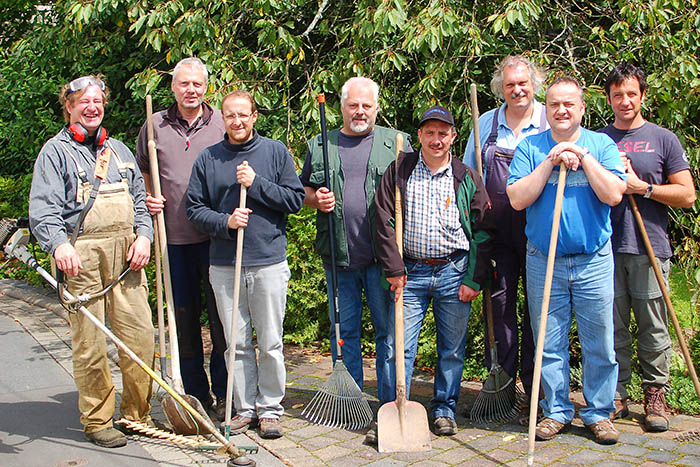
point(460, 263)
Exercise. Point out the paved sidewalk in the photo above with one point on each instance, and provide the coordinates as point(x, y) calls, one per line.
point(39, 422)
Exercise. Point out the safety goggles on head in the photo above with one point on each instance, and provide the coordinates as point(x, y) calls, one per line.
point(81, 83)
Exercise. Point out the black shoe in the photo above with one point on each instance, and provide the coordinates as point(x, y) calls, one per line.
point(445, 426)
point(371, 435)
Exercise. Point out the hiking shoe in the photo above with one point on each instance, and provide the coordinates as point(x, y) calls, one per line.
point(107, 438)
point(656, 419)
point(270, 428)
point(621, 410)
point(548, 428)
point(445, 426)
point(239, 425)
point(604, 431)
point(371, 435)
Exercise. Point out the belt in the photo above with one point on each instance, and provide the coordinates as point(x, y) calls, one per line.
point(435, 261)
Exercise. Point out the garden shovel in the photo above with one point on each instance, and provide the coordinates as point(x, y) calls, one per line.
point(402, 425)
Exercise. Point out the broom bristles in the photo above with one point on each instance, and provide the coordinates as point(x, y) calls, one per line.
point(339, 403)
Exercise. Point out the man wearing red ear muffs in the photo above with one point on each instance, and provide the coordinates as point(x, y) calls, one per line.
point(87, 209)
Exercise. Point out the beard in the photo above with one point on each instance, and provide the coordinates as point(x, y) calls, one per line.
point(359, 127)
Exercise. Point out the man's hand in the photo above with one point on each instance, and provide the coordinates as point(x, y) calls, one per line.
point(139, 253)
point(245, 175)
point(239, 218)
point(568, 153)
point(154, 205)
point(397, 284)
point(467, 294)
point(67, 259)
point(325, 199)
point(635, 185)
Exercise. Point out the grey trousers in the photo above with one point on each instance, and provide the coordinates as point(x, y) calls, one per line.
point(637, 289)
point(258, 382)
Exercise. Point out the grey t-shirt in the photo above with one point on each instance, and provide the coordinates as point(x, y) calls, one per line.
point(655, 153)
point(354, 154)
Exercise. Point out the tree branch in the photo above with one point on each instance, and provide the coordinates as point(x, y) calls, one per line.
point(316, 19)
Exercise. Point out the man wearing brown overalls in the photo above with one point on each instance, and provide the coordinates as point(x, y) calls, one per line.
point(116, 232)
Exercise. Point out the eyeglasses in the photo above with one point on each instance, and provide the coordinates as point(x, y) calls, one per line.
point(81, 83)
point(241, 117)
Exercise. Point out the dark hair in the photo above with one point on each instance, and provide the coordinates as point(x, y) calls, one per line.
point(625, 71)
point(566, 79)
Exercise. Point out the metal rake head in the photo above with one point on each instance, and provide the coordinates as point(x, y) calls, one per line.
point(497, 406)
point(339, 403)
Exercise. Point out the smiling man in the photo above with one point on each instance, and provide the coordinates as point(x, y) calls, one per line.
point(516, 81)
point(583, 269)
point(446, 259)
point(658, 174)
point(213, 197)
point(115, 232)
point(358, 154)
point(181, 132)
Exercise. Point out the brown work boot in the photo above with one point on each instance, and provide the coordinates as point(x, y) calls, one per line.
point(655, 409)
point(371, 435)
point(107, 438)
point(239, 425)
point(445, 426)
point(604, 431)
point(621, 410)
point(548, 428)
point(270, 428)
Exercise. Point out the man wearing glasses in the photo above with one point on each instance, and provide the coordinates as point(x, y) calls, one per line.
point(92, 242)
point(181, 132)
point(265, 167)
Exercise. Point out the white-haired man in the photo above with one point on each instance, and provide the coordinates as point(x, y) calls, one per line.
point(358, 153)
point(181, 132)
point(516, 81)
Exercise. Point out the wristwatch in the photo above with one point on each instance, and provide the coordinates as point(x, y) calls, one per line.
point(650, 189)
point(583, 154)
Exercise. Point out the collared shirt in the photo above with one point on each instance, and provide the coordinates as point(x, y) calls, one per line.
point(506, 137)
point(432, 228)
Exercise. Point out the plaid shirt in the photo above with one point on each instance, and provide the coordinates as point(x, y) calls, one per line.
point(431, 222)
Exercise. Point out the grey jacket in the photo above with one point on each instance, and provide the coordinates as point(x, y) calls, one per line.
point(53, 205)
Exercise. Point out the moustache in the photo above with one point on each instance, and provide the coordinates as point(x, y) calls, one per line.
point(515, 95)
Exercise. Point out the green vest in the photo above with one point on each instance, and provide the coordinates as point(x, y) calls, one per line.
point(382, 154)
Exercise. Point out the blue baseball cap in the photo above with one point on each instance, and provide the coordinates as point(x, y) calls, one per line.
point(437, 112)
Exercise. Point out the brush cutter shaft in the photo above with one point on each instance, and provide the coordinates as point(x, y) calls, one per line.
point(163, 244)
point(549, 273)
point(122, 346)
point(664, 292)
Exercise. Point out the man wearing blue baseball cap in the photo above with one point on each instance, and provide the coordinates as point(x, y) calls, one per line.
point(446, 225)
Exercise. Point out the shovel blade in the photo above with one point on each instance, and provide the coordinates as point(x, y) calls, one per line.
point(180, 419)
point(403, 430)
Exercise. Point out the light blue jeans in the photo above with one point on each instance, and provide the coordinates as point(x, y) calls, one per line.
point(351, 283)
point(441, 284)
point(582, 283)
point(258, 382)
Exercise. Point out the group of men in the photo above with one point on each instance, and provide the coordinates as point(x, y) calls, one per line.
point(457, 224)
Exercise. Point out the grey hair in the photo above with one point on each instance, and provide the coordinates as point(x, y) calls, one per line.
point(565, 79)
point(193, 62)
point(537, 76)
point(358, 81)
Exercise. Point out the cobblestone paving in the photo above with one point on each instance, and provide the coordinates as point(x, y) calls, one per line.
point(306, 445)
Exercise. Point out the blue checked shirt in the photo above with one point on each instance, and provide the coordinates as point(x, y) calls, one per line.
point(431, 222)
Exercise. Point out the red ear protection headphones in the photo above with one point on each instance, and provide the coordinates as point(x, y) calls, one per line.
point(80, 134)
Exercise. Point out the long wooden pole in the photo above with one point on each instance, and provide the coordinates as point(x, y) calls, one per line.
point(549, 273)
point(664, 292)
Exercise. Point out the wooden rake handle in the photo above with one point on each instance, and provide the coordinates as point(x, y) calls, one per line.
point(664, 292)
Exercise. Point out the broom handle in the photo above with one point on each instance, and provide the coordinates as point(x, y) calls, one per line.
point(331, 229)
point(480, 169)
point(664, 292)
point(234, 318)
point(398, 306)
point(549, 272)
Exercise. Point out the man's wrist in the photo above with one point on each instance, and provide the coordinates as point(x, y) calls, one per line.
point(582, 154)
point(649, 191)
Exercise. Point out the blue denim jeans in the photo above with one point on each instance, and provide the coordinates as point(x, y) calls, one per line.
point(351, 283)
point(441, 284)
point(582, 283)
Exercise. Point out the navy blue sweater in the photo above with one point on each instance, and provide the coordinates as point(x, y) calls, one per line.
point(214, 193)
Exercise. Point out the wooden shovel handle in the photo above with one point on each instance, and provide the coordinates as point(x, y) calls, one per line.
point(398, 305)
